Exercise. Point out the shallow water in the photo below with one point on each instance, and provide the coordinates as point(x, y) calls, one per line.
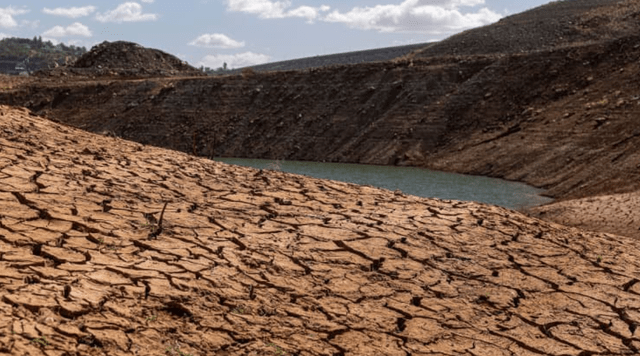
point(412, 180)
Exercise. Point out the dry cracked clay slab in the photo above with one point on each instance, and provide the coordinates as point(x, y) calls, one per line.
point(113, 248)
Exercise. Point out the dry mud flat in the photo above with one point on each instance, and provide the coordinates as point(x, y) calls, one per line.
point(615, 213)
point(248, 262)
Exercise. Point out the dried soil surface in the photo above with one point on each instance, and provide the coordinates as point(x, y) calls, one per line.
point(248, 262)
point(617, 214)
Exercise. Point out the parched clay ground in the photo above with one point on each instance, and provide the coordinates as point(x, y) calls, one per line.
point(617, 213)
point(248, 262)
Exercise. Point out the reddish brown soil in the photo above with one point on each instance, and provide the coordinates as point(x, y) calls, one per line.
point(248, 262)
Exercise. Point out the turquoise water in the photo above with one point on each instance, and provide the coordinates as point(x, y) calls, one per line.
point(412, 180)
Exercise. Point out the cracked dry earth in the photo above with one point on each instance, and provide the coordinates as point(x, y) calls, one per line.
point(248, 262)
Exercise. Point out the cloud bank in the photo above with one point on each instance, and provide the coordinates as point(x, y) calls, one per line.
point(7, 14)
point(126, 12)
point(75, 29)
point(216, 40)
point(420, 16)
point(71, 12)
point(267, 9)
point(429, 17)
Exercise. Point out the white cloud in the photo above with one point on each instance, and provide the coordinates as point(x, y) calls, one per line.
point(421, 16)
point(3, 35)
point(234, 60)
point(126, 12)
point(216, 40)
point(268, 9)
point(72, 12)
point(75, 29)
point(7, 14)
point(148, 1)
point(78, 43)
point(307, 12)
point(52, 40)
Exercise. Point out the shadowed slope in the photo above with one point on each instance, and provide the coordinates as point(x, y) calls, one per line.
point(261, 262)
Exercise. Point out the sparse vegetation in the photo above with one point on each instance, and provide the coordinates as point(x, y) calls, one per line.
point(238, 310)
point(42, 341)
point(278, 350)
point(28, 55)
point(176, 351)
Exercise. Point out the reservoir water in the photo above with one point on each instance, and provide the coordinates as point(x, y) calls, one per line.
point(411, 180)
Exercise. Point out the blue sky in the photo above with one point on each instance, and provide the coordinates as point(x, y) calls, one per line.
point(246, 32)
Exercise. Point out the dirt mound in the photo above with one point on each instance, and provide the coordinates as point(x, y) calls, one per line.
point(111, 247)
point(127, 59)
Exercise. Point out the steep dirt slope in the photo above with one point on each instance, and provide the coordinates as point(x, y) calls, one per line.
point(577, 132)
point(247, 262)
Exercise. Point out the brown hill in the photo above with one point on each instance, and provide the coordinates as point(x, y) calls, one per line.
point(114, 248)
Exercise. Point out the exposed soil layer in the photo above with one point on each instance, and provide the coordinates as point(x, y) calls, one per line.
point(112, 247)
